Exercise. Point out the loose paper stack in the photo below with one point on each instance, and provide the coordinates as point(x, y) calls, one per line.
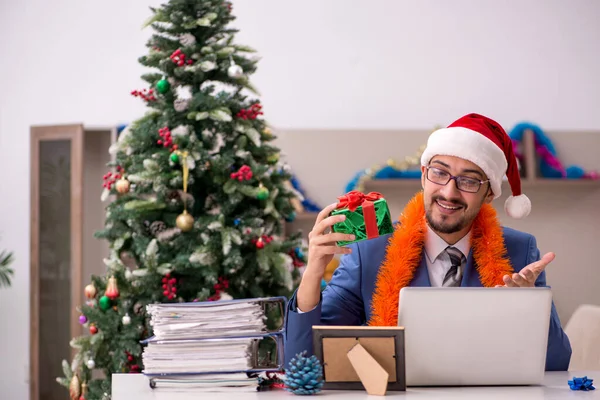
point(207, 346)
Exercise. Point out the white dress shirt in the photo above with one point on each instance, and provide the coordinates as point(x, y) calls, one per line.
point(438, 261)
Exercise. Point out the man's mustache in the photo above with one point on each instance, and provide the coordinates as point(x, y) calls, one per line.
point(454, 202)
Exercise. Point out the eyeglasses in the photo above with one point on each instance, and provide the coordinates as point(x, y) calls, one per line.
point(463, 183)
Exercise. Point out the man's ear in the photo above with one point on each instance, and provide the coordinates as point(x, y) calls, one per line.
point(423, 174)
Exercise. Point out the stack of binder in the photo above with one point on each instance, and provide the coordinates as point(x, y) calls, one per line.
point(213, 346)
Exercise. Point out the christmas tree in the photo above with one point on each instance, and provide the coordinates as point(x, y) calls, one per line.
point(199, 196)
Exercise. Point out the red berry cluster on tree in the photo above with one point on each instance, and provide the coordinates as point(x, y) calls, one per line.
point(179, 58)
point(250, 113)
point(167, 139)
point(146, 94)
point(110, 179)
point(169, 289)
point(131, 365)
point(244, 173)
point(219, 288)
point(261, 241)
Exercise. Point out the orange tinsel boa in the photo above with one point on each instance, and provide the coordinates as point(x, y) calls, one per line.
point(404, 252)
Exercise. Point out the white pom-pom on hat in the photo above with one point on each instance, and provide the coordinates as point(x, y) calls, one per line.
point(517, 206)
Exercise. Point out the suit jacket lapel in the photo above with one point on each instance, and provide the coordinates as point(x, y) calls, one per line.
point(421, 277)
point(471, 276)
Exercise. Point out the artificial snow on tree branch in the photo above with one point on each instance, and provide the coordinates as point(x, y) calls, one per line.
point(168, 234)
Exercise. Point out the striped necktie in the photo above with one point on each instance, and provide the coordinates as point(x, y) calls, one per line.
point(454, 274)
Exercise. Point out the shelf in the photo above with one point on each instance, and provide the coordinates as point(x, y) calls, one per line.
point(557, 183)
point(378, 185)
point(387, 184)
point(306, 216)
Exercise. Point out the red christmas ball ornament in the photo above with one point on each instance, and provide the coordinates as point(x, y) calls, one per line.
point(260, 243)
point(93, 329)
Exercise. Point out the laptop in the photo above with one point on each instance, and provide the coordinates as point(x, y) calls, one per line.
point(465, 336)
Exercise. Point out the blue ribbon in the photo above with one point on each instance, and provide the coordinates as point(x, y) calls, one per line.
point(583, 383)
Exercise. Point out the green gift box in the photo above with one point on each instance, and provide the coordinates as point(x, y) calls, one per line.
point(367, 216)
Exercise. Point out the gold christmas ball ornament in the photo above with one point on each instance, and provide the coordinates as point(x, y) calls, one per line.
point(185, 221)
point(122, 186)
point(268, 131)
point(90, 291)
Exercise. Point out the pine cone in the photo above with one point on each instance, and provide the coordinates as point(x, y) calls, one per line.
point(305, 375)
point(157, 227)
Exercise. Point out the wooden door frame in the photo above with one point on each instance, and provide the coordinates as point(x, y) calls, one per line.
point(38, 134)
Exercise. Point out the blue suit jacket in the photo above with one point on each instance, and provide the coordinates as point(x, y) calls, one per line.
point(347, 298)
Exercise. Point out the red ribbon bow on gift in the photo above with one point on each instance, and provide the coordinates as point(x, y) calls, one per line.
point(354, 199)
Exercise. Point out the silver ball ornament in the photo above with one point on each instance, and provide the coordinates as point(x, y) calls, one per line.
point(126, 319)
point(235, 71)
point(91, 364)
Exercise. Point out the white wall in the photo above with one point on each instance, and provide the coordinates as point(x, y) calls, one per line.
point(325, 64)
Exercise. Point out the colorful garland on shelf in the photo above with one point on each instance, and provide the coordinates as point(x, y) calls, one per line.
point(550, 165)
point(307, 204)
point(392, 170)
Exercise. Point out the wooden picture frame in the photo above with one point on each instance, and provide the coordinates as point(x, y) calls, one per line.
point(385, 345)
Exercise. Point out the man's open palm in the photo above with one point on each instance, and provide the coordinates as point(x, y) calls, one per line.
point(528, 275)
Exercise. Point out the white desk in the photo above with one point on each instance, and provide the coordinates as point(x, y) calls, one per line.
point(555, 386)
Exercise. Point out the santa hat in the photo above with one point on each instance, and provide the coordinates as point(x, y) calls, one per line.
point(483, 142)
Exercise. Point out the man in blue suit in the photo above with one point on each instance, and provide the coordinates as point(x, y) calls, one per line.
point(448, 235)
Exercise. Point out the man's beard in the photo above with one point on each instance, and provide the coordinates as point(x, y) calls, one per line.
point(444, 227)
point(447, 227)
